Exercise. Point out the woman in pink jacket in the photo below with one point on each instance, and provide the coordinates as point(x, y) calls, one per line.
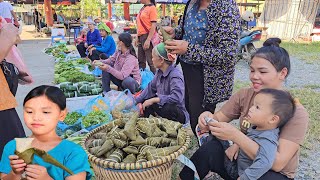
point(122, 68)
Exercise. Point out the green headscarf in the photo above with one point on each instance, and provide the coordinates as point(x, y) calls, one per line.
point(161, 51)
point(104, 27)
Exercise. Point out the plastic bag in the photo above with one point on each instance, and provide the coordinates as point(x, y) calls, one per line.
point(98, 103)
point(15, 57)
point(146, 77)
point(62, 127)
point(120, 100)
point(97, 72)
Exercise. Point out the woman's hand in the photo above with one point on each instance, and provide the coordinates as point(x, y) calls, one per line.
point(9, 34)
point(177, 46)
point(86, 45)
point(223, 130)
point(201, 121)
point(104, 67)
point(146, 44)
point(232, 152)
point(91, 50)
point(148, 103)
point(169, 30)
point(17, 165)
point(36, 172)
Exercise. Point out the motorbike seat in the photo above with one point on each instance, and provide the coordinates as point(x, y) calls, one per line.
point(254, 32)
point(244, 34)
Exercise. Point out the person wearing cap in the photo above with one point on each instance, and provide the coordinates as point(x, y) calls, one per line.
point(122, 68)
point(93, 38)
point(108, 46)
point(164, 95)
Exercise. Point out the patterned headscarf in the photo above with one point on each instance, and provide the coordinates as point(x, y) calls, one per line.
point(163, 53)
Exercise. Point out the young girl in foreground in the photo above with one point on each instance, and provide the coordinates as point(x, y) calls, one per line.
point(44, 107)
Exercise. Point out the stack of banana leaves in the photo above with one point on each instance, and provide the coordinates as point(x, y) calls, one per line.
point(134, 140)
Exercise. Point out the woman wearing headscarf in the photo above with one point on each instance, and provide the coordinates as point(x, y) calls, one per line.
point(164, 95)
point(107, 47)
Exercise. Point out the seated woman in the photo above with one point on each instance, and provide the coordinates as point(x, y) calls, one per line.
point(93, 38)
point(269, 67)
point(164, 95)
point(122, 67)
point(82, 37)
point(108, 46)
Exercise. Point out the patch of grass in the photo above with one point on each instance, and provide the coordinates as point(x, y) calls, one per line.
point(309, 52)
point(312, 86)
point(310, 100)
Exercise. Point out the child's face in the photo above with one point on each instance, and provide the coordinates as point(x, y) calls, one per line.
point(260, 114)
point(42, 116)
point(157, 61)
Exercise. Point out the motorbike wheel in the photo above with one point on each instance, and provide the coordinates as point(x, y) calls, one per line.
point(251, 51)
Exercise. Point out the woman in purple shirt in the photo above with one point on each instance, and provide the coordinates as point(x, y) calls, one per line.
point(93, 38)
point(122, 68)
point(164, 95)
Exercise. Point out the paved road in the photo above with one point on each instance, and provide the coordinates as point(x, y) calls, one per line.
point(40, 66)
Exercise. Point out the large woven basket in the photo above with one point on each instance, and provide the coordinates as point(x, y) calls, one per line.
point(159, 169)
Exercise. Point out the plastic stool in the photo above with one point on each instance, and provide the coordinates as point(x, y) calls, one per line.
point(52, 38)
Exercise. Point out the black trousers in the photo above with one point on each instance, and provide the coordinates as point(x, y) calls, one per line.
point(95, 55)
point(10, 127)
point(194, 92)
point(169, 111)
point(211, 157)
point(82, 50)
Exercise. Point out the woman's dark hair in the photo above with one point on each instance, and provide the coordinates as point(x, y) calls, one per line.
point(153, 2)
point(283, 104)
point(54, 94)
point(127, 40)
point(275, 54)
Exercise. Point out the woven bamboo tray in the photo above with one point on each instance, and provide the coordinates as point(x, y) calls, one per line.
point(159, 169)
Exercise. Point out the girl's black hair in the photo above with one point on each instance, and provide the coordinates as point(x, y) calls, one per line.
point(153, 2)
point(127, 40)
point(54, 94)
point(275, 54)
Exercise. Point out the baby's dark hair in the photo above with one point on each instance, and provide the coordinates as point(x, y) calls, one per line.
point(275, 54)
point(54, 94)
point(283, 104)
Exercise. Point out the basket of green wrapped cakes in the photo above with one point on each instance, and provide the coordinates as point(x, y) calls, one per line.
point(136, 148)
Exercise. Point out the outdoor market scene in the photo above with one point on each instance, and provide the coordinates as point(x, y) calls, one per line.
point(160, 89)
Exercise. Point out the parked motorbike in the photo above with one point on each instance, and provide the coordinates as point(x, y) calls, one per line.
point(247, 37)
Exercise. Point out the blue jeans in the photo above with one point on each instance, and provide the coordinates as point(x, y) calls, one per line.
point(126, 83)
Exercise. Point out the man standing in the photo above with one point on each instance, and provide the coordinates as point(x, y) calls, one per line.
point(36, 17)
point(6, 11)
